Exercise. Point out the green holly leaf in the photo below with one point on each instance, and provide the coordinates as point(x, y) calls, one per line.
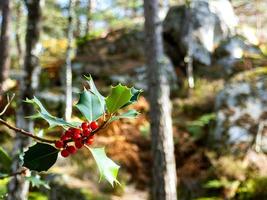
point(42, 113)
point(94, 90)
point(120, 95)
point(40, 157)
point(135, 95)
point(129, 114)
point(5, 160)
point(90, 105)
point(107, 168)
point(36, 181)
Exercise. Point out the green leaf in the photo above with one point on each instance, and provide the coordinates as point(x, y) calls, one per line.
point(120, 95)
point(44, 114)
point(135, 94)
point(5, 160)
point(90, 105)
point(36, 181)
point(94, 90)
point(107, 168)
point(129, 114)
point(40, 157)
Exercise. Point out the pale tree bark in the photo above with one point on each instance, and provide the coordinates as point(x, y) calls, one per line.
point(165, 5)
point(88, 24)
point(4, 43)
point(68, 80)
point(18, 32)
point(77, 31)
point(18, 187)
point(163, 169)
point(189, 56)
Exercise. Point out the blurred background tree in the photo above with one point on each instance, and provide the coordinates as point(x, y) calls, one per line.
point(4, 43)
point(18, 187)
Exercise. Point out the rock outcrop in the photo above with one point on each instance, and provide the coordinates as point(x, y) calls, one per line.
point(241, 106)
point(201, 27)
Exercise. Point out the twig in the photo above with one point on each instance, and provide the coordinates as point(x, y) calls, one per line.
point(87, 146)
point(26, 133)
point(8, 103)
point(23, 171)
point(258, 141)
point(19, 130)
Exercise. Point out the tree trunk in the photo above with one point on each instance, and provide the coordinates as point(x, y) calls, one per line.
point(77, 31)
point(165, 5)
point(18, 187)
point(4, 43)
point(18, 16)
point(164, 171)
point(68, 92)
point(189, 56)
point(88, 17)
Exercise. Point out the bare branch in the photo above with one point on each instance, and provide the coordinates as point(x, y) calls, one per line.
point(258, 141)
point(8, 103)
point(87, 146)
point(22, 172)
point(26, 133)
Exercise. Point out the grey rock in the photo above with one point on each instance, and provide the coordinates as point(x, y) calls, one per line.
point(138, 77)
point(240, 106)
point(231, 51)
point(209, 21)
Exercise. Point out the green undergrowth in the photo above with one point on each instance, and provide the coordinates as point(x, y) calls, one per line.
point(3, 188)
point(228, 177)
point(199, 100)
point(62, 193)
point(251, 74)
point(201, 126)
point(249, 189)
point(209, 198)
point(194, 110)
point(37, 196)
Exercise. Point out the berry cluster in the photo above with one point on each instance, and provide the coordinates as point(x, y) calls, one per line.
point(80, 136)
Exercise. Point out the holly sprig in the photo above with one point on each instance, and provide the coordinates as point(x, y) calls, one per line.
point(98, 111)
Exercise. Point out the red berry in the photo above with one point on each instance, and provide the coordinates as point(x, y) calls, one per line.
point(78, 144)
point(76, 136)
point(90, 140)
point(68, 133)
point(86, 132)
point(77, 131)
point(64, 138)
point(85, 125)
point(72, 129)
point(94, 125)
point(59, 144)
point(65, 153)
point(71, 149)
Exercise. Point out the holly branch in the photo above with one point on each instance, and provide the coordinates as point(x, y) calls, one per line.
point(19, 130)
point(97, 111)
point(22, 172)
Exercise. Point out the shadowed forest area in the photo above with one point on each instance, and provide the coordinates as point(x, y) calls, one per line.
point(133, 100)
